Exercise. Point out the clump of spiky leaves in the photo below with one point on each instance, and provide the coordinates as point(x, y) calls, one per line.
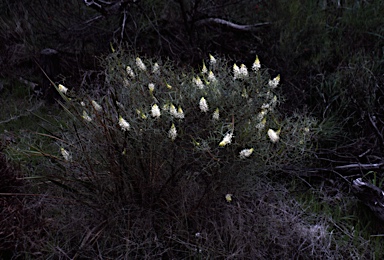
point(170, 144)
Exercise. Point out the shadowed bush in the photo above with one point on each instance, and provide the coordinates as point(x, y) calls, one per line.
point(174, 164)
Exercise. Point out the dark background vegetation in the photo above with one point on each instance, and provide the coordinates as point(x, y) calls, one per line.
point(330, 57)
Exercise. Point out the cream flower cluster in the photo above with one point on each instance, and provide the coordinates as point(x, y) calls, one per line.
point(203, 105)
point(155, 111)
point(130, 72)
point(274, 82)
point(274, 136)
point(216, 114)
point(125, 126)
point(256, 64)
point(172, 133)
point(246, 153)
point(212, 60)
point(140, 64)
point(62, 89)
point(202, 82)
point(86, 117)
point(67, 156)
point(199, 84)
point(240, 73)
point(176, 113)
point(96, 106)
point(226, 140)
point(156, 69)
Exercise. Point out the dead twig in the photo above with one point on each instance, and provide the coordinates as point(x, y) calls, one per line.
point(219, 21)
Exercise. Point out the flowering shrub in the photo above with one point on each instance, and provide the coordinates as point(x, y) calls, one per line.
point(156, 127)
point(173, 145)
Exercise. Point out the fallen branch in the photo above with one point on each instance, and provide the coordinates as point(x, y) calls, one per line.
point(319, 172)
point(248, 27)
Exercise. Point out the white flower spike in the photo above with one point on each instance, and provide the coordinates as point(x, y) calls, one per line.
point(275, 82)
point(172, 133)
point(130, 72)
point(226, 140)
point(155, 111)
point(211, 77)
point(180, 113)
point(246, 153)
point(203, 105)
point(156, 69)
point(151, 88)
point(86, 117)
point(236, 71)
point(125, 126)
point(65, 154)
point(243, 71)
point(274, 136)
point(96, 106)
point(256, 64)
point(199, 84)
point(172, 110)
point(204, 70)
point(62, 89)
point(261, 125)
point(216, 114)
point(212, 60)
point(228, 197)
point(140, 64)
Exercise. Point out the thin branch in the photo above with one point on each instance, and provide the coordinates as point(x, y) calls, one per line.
point(219, 21)
point(364, 166)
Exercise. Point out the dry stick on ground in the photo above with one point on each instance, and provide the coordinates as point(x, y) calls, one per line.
point(219, 21)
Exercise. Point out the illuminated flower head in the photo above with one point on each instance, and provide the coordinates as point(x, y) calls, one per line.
point(125, 126)
point(203, 105)
point(228, 197)
point(211, 77)
point(274, 136)
point(151, 87)
point(226, 140)
point(240, 73)
point(199, 84)
point(67, 156)
point(140, 64)
point(62, 89)
point(236, 71)
point(245, 153)
point(243, 71)
point(155, 111)
point(156, 69)
point(180, 113)
point(274, 82)
point(86, 117)
point(216, 114)
point(172, 110)
point(96, 106)
point(204, 70)
point(256, 64)
point(212, 60)
point(130, 72)
point(172, 133)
